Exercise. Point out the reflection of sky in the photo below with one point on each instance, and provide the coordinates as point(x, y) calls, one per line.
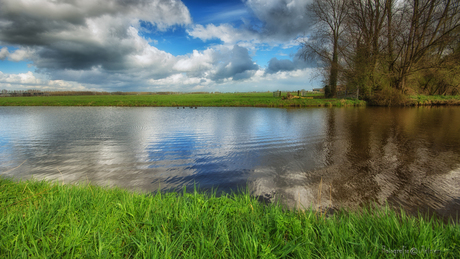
point(364, 153)
point(210, 148)
point(175, 146)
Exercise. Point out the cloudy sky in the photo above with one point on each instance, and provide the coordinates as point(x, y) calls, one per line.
point(153, 45)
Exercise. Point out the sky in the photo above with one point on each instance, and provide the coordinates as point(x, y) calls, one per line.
point(154, 45)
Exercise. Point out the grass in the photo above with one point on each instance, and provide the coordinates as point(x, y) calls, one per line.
point(216, 100)
point(434, 100)
point(40, 219)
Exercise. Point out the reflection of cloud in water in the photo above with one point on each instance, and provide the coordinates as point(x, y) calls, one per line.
point(292, 188)
point(404, 156)
point(439, 192)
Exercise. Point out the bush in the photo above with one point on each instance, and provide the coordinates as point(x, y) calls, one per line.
point(388, 97)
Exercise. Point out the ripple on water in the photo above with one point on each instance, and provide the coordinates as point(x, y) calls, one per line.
point(325, 157)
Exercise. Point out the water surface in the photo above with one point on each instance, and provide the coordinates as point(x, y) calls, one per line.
point(408, 157)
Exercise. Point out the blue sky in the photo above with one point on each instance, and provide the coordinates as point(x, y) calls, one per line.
point(154, 45)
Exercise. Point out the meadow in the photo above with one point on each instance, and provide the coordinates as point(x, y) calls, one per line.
point(180, 100)
point(41, 219)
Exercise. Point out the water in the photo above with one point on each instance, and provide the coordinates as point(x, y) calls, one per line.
point(340, 157)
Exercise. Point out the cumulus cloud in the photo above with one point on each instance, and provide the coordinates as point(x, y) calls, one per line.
point(279, 65)
point(196, 62)
point(21, 54)
point(218, 63)
point(282, 19)
point(29, 80)
point(280, 22)
point(81, 34)
point(235, 64)
point(89, 43)
point(4, 53)
point(23, 79)
point(225, 32)
point(276, 65)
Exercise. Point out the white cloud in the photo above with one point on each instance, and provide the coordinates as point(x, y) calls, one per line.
point(88, 43)
point(280, 23)
point(282, 19)
point(4, 53)
point(177, 81)
point(162, 13)
point(81, 34)
point(197, 61)
point(225, 32)
point(20, 55)
point(218, 63)
point(30, 81)
point(23, 79)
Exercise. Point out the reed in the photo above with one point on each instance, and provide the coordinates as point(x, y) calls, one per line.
point(41, 219)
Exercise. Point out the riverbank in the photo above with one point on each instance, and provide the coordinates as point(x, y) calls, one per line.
point(180, 100)
point(43, 219)
point(425, 100)
point(218, 100)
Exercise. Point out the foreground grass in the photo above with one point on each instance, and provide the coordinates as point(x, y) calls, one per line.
point(216, 100)
point(42, 219)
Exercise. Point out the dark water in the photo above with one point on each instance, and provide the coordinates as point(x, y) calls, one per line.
point(348, 157)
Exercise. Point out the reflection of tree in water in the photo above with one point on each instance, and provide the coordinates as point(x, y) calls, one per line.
point(408, 157)
point(403, 156)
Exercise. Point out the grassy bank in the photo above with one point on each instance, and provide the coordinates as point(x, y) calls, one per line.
point(223, 100)
point(418, 100)
point(216, 100)
point(41, 219)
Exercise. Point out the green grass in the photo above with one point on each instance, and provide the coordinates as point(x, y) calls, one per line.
point(434, 100)
point(216, 100)
point(39, 219)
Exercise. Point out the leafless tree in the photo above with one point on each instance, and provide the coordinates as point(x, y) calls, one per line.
point(323, 40)
point(381, 44)
point(431, 25)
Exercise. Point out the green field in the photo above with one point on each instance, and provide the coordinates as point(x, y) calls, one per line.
point(213, 100)
point(39, 219)
point(216, 100)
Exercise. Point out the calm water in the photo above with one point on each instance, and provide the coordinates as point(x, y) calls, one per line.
point(322, 157)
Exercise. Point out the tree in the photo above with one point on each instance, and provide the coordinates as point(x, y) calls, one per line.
point(432, 25)
point(389, 47)
point(365, 34)
point(322, 42)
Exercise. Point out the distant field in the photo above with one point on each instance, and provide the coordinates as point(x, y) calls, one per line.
point(210, 100)
point(200, 100)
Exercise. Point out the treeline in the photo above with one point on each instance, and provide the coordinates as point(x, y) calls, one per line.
point(386, 49)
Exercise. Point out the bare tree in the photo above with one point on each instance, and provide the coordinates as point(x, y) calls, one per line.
point(322, 41)
point(431, 26)
point(386, 45)
point(365, 32)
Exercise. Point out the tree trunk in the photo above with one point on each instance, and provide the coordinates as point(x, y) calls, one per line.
point(334, 70)
point(390, 57)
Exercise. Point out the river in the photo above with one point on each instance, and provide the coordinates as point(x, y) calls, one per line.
point(324, 157)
